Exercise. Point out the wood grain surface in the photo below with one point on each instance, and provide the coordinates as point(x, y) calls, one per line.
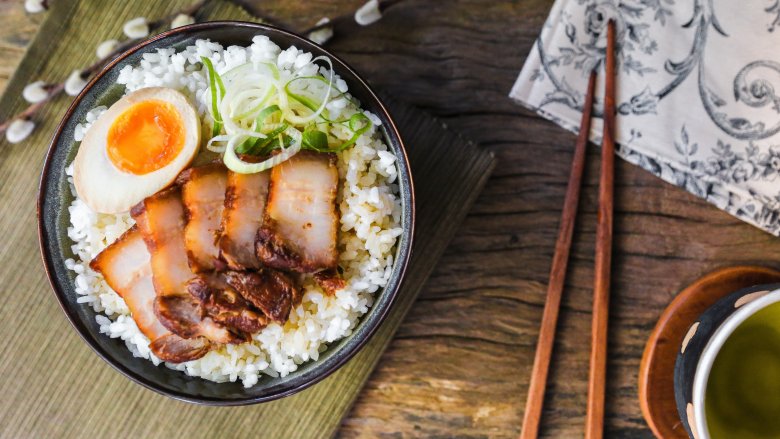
point(459, 365)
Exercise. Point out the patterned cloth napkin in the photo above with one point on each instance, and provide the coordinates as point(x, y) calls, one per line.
point(696, 91)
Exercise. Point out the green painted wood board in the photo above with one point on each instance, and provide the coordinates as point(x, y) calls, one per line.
point(54, 386)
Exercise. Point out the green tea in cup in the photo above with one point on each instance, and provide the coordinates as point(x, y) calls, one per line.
point(742, 398)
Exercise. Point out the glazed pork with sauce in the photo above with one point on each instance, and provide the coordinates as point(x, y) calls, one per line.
point(218, 256)
point(300, 229)
point(242, 217)
point(161, 220)
point(125, 265)
point(203, 193)
point(226, 306)
point(269, 290)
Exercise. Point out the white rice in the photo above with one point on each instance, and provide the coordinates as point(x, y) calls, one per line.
point(370, 226)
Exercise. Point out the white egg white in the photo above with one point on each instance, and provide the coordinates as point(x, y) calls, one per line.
point(106, 188)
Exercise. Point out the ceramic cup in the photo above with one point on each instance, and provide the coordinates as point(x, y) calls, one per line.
point(700, 348)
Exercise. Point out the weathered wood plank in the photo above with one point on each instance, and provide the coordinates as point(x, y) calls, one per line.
point(461, 362)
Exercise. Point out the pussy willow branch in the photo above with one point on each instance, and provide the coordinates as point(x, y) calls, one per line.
point(30, 111)
point(191, 10)
point(383, 6)
point(55, 90)
point(45, 4)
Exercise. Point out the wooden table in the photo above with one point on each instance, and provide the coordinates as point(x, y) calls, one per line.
point(460, 364)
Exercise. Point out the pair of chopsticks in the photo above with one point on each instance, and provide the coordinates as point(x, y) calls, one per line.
point(594, 426)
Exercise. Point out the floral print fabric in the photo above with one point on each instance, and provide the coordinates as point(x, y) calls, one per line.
point(697, 104)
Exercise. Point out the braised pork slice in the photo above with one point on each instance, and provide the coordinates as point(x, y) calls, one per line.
point(242, 216)
point(160, 219)
point(330, 281)
point(271, 291)
point(227, 307)
point(174, 349)
point(300, 226)
point(203, 193)
point(125, 265)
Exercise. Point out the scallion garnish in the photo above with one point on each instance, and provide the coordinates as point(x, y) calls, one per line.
point(357, 130)
point(315, 139)
point(217, 87)
point(258, 110)
point(253, 144)
point(257, 146)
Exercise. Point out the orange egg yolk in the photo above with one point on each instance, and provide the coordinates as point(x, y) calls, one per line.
point(146, 137)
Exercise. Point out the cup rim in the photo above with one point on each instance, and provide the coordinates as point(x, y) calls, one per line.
point(713, 347)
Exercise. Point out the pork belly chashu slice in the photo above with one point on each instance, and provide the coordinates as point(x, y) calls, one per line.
point(271, 291)
point(226, 306)
point(203, 193)
point(160, 219)
point(300, 226)
point(242, 217)
point(125, 265)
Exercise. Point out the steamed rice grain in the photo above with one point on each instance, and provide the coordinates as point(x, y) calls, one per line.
point(370, 226)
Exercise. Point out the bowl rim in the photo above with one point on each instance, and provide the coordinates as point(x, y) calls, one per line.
point(84, 333)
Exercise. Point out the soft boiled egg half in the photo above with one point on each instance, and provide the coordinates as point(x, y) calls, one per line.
point(134, 149)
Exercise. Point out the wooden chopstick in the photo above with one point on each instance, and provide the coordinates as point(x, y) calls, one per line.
point(594, 422)
point(533, 406)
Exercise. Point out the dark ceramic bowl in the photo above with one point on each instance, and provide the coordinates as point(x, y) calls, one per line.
point(701, 345)
point(54, 199)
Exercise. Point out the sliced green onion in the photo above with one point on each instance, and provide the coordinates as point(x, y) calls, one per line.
point(235, 164)
point(357, 130)
point(267, 111)
point(257, 106)
point(214, 82)
point(305, 100)
point(313, 105)
point(301, 120)
point(238, 71)
point(279, 142)
point(236, 94)
point(261, 115)
point(315, 139)
point(358, 118)
point(251, 67)
point(256, 146)
point(210, 145)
